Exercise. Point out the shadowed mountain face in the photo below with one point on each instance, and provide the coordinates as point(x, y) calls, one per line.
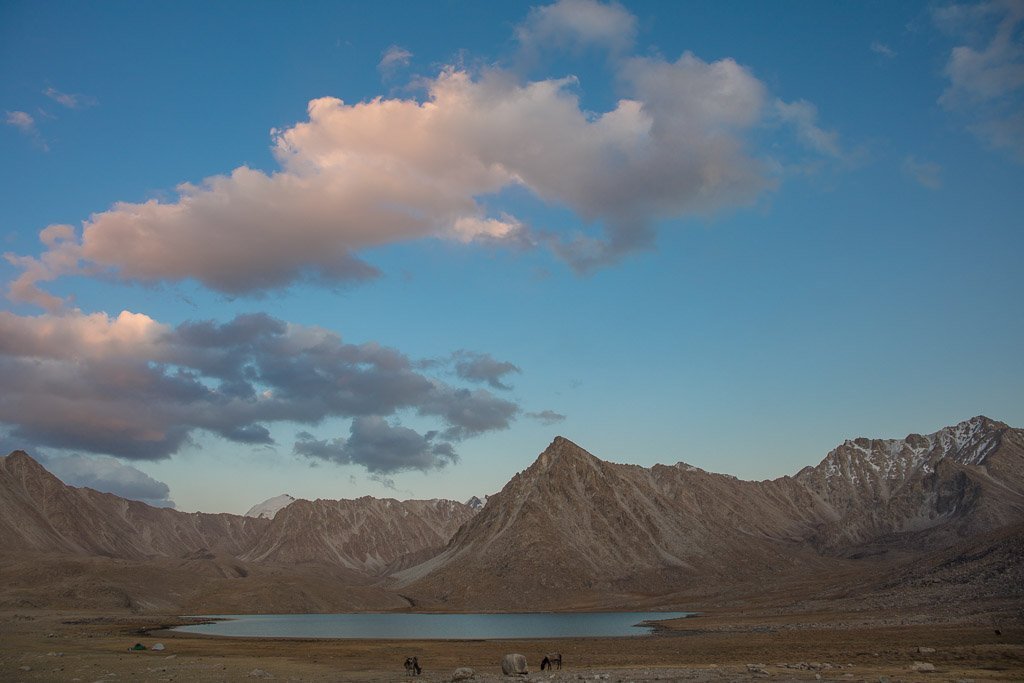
point(571, 531)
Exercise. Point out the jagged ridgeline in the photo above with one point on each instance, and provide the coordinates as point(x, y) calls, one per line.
point(571, 531)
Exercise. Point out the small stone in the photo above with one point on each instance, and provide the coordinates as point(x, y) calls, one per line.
point(883, 679)
point(260, 673)
point(926, 650)
point(26, 668)
point(922, 667)
point(463, 673)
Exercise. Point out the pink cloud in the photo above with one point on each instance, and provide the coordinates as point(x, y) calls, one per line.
point(384, 171)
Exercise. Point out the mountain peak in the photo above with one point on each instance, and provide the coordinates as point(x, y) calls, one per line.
point(971, 441)
point(19, 456)
point(562, 450)
point(270, 507)
point(23, 463)
point(978, 423)
point(477, 503)
point(968, 443)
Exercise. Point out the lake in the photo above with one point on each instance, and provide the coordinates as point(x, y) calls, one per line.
point(403, 626)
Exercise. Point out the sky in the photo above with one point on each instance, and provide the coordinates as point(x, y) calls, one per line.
point(394, 249)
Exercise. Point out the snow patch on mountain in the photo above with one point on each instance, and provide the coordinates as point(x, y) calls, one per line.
point(893, 460)
point(270, 507)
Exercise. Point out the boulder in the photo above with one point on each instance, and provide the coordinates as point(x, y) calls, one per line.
point(514, 665)
point(463, 673)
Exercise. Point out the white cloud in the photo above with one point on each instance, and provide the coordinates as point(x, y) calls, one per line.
point(576, 24)
point(25, 123)
point(355, 176)
point(394, 58)
point(986, 74)
point(925, 173)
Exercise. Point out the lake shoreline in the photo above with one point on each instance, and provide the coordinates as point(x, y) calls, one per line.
point(718, 645)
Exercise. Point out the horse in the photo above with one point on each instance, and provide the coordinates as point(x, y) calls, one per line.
point(551, 660)
point(412, 666)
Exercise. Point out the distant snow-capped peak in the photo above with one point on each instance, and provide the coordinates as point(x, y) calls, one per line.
point(477, 503)
point(270, 507)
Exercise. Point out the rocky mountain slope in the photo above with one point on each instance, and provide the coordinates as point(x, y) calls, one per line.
point(962, 480)
point(366, 534)
point(570, 531)
point(573, 525)
point(38, 512)
point(75, 547)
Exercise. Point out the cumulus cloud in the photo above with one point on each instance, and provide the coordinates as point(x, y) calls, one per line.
point(380, 447)
point(924, 173)
point(68, 100)
point(109, 475)
point(482, 367)
point(359, 175)
point(986, 74)
point(393, 58)
point(136, 388)
point(577, 24)
point(547, 417)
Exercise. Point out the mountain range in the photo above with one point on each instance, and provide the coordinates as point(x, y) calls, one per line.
point(878, 517)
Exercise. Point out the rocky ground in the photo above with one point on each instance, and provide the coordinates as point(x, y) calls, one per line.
point(724, 645)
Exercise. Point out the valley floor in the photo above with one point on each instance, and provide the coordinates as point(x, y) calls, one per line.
point(720, 645)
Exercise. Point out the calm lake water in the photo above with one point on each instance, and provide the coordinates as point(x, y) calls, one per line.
point(432, 626)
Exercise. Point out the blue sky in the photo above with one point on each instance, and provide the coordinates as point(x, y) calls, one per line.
point(733, 234)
